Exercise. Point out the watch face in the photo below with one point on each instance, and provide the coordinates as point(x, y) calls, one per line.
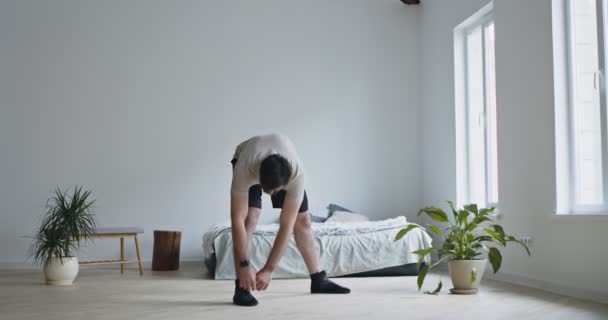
point(244, 263)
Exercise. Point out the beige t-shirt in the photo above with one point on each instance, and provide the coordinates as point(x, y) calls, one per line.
point(252, 152)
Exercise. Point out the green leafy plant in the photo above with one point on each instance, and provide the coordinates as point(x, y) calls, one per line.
point(464, 238)
point(66, 222)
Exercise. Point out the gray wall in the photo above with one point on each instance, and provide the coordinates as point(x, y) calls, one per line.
point(144, 101)
point(567, 252)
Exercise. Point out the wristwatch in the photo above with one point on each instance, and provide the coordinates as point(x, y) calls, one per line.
point(244, 263)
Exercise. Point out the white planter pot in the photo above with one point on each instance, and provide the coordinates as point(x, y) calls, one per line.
point(61, 272)
point(460, 272)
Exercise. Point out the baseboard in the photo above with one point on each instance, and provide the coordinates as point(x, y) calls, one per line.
point(18, 266)
point(600, 296)
point(25, 266)
point(147, 264)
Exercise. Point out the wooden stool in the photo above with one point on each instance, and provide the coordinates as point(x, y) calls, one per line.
point(165, 256)
point(122, 233)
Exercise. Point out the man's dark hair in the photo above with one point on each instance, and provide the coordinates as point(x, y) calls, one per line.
point(275, 172)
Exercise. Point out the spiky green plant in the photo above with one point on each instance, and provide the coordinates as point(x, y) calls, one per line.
point(465, 238)
point(66, 222)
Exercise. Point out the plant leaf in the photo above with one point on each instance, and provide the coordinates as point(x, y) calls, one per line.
point(483, 238)
point(484, 212)
point(421, 254)
point(424, 252)
point(480, 219)
point(513, 239)
point(436, 291)
point(454, 211)
point(473, 275)
point(472, 208)
point(404, 231)
point(421, 276)
point(501, 233)
point(435, 213)
point(499, 229)
point(471, 227)
point(419, 263)
point(436, 230)
point(495, 235)
point(495, 259)
point(67, 221)
point(462, 216)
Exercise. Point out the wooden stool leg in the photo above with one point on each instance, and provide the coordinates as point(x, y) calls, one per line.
point(141, 269)
point(122, 254)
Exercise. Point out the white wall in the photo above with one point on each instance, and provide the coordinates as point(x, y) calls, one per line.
point(144, 101)
point(567, 253)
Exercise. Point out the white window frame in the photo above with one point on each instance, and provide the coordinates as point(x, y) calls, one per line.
point(480, 19)
point(566, 180)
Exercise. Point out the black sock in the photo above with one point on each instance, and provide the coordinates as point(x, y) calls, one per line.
point(243, 297)
point(320, 284)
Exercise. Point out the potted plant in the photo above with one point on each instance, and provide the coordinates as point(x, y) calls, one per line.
point(66, 222)
point(463, 241)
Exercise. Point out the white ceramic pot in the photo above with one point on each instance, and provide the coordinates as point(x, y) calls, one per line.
point(460, 272)
point(61, 272)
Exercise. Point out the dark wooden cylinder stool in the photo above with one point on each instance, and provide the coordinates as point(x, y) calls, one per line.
point(165, 256)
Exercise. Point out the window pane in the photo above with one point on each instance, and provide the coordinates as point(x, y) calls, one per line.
point(475, 108)
point(586, 125)
point(491, 131)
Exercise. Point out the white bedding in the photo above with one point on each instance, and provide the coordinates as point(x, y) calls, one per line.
point(344, 248)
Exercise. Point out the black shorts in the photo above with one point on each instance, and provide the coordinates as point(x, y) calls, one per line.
point(255, 197)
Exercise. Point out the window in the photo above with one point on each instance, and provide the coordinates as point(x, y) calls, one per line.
point(581, 108)
point(477, 164)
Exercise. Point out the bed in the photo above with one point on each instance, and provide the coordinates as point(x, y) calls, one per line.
point(363, 248)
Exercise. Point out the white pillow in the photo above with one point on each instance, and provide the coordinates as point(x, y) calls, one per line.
point(343, 216)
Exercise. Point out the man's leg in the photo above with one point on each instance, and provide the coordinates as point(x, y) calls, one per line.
point(306, 243)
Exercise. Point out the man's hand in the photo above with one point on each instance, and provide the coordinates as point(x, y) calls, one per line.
point(247, 278)
point(263, 278)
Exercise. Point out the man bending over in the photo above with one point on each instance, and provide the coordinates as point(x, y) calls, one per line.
point(269, 163)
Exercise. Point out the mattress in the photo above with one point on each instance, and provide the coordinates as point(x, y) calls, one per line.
point(344, 248)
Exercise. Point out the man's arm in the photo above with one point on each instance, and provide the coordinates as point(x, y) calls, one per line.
point(287, 220)
point(238, 215)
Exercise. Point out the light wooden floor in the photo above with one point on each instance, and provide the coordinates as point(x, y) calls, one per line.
point(105, 294)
